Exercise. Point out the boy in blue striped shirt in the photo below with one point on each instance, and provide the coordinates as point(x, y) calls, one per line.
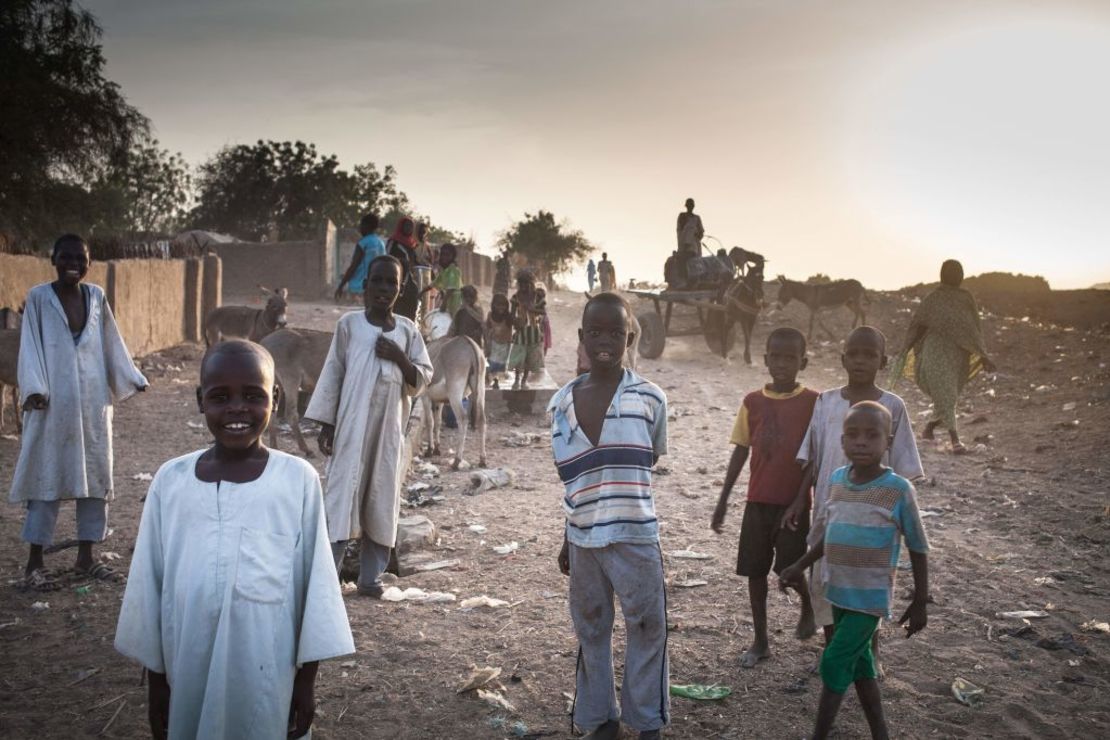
point(869, 511)
point(608, 428)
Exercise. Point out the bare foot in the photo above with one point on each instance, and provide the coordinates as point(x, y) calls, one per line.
point(927, 433)
point(753, 655)
point(609, 730)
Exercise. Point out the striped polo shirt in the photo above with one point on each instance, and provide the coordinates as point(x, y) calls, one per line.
point(864, 525)
point(608, 486)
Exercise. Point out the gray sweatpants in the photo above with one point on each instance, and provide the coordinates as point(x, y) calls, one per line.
point(635, 574)
point(42, 516)
point(373, 559)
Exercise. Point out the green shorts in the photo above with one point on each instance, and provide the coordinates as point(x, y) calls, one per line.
point(848, 657)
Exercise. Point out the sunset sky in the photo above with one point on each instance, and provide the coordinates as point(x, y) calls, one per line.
point(859, 139)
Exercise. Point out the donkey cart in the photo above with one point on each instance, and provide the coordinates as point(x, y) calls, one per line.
point(718, 313)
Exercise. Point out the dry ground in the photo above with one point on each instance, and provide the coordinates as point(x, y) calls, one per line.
point(1022, 523)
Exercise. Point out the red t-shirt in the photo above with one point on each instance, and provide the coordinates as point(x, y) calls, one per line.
point(772, 425)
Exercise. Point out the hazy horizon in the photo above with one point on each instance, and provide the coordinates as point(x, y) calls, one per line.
point(860, 139)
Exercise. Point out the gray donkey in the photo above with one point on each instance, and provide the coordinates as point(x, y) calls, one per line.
point(299, 357)
point(246, 322)
point(458, 365)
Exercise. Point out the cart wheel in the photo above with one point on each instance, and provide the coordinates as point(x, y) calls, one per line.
point(653, 336)
point(719, 341)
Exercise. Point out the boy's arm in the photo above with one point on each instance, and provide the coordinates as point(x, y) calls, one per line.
point(794, 512)
point(735, 465)
point(792, 574)
point(564, 556)
point(916, 613)
point(302, 709)
point(356, 258)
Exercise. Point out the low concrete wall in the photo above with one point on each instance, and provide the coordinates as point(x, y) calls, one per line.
point(157, 303)
point(303, 267)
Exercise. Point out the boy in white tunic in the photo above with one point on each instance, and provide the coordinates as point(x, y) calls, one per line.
point(72, 361)
point(376, 365)
point(232, 598)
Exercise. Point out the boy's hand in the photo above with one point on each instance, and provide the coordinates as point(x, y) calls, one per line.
point(388, 350)
point(35, 402)
point(791, 575)
point(718, 521)
point(158, 710)
point(302, 709)
point(918, 617)
point(791, 516)
point(326, 439)
point(564, 559)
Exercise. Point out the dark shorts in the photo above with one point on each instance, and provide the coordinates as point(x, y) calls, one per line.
point(764, 542)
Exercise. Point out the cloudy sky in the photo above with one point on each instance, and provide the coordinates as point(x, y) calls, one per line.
point(867, 139)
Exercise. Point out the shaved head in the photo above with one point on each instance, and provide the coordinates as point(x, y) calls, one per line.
point(874, 410)
point(239, 348)
point(868, 335)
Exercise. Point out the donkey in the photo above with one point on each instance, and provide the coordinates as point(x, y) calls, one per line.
point(458, 365)
point(816, 296)
point(744, 298)
point(298, 359)
point(246, 322)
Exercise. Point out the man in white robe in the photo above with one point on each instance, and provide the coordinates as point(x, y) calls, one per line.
point(366, 399)
point(67, 381)
point(231, 590)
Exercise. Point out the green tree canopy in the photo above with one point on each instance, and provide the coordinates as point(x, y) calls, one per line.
point(147, 193)
point(288, 187)
point(63, 125)
point(551, 247)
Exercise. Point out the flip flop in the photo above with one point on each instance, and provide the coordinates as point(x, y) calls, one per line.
point(959, 449)
point(100, 572)
point(40, 580)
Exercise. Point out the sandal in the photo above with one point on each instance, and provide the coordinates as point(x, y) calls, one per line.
point(40, 580)
point(100, 572)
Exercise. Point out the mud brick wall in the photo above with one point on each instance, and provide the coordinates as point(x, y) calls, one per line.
point(157, 303)
point(304, 268)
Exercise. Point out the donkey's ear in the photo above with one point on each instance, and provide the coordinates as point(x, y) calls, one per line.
point(265, 291)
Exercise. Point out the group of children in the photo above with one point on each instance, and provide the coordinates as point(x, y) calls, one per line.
point(847, 455)
point(233, 596)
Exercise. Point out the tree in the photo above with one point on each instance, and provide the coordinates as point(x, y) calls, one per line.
point(550, 247)
point(147, 193)
point(62, 124)
point(288, 188)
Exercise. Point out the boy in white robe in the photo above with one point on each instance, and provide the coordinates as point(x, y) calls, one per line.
point(232, 598)
point(376, 365)
point(72, 361)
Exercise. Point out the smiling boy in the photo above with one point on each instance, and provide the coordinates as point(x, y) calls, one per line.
point(232, 599)
point(608, 428)
point(72, 363)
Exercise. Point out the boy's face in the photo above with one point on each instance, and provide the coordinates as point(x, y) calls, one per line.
point(784, 359)
point(383, 285)
point(72, 262)
point(865, 438)
point(237, 397)
point(500, 305)
point(604, 334)
point(446, 257)
point(864, 356)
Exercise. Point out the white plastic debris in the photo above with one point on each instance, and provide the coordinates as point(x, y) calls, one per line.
point(142, 477)
point(689, 555)
point(40, 606)
point(1093, 626)
point(506, 549)
point(477, 528)
point(195, 425)
point(1022, 614)
point(691, 583)
point(487, 480)
point(478, 601)
point(418, 595)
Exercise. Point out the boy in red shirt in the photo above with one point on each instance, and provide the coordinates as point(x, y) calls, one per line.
point(771, 422)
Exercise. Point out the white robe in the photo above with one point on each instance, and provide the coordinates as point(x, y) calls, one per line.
point(66, 451)
point(367, 400)
point(232, 588)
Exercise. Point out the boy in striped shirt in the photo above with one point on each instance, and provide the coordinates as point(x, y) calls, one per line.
point(870, 510)
point(608, 428)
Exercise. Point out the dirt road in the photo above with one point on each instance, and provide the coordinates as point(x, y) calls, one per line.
point(1022, 523)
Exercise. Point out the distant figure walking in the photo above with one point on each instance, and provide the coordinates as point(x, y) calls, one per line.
point(591, 274)
point(944, 349)
point(607, 273)
point(367, 248)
